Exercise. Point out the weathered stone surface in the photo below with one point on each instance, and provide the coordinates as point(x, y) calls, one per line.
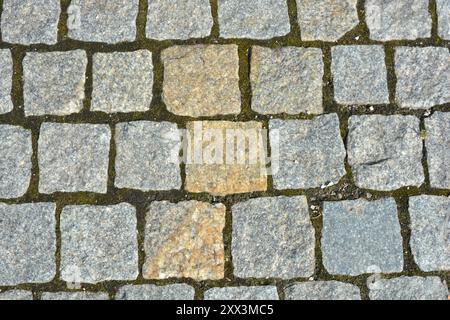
point(322, 290)
point(385, 152)
point(54, 82)
point(286, 80)
point(361, 235)
point(201, 80)
point(110, 21)
point(359, 75)
point(443, 11)
point(273, 237)
point(16, 295)
point(311, 152)
point(99, 243)
point(220, 164)
point(27, 243)
point(255, 19)
point(409, 288)
point(81, 295)
point(430, 232)
point(326, 20)
point(6, 72)
point(437, 143)
point(122, 81)
point(178, 19)
point(144, 156)
point(30, 21)
point(184, 240)
point(398, 20)
point(242, 293)
point(73, 157)
point(423, 77)
point(15, 163)
point(153, 292)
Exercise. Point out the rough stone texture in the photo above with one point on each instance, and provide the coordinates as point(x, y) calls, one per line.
point(311, 152)
point(242, 293)
point(430, 232)
point(16, 295)
point(99, 243)
point(15, 163)
point(6, 72)
point(144, 152)
point(54, 82)
point(385, 152)
point(153, 292)
point(179, 19)
point(423, 77)
point(410, 288)
point(360, 235)
point(218, 168)
point(30, 21)
point(326, 20)
point(398, 20)
point(82, 295)
point(359, 75)
point(73, 157)
point(273, 237)
point(27, 243)
point(286, 80)
point(110, 21)
point(255, 19)
point(437, 143)
point(201, 80)
point(123, 81)
point(443, 11)
point(322, 290)
point(184, 240)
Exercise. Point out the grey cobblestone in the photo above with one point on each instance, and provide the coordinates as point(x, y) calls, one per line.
point(6, 72)
point(242, 293)
point(83, 295)
point(410, 288)
point(153, 292)
point(443, 11)
point(322, 290)
point(16, 295)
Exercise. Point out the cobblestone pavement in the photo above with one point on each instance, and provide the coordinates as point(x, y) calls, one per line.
point(348, 99)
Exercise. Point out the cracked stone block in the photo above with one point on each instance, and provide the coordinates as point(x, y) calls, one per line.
point(201, 80)
point(360, 236)
point(254, 19)
point(430, 232)
point(359, 75)
point(99, 243)
point(30, 21)
point(242, 293)
point(122, 81)
point(184, 240)
point(326, 20)
point(437, 143)
point(286, 80)
point(154, 292)
point(54, 82)
point(15, 164)
point(6, 72)
point(409, 288)
point(73, 157)
point(147, 156)
point(27, 243)
point(310, 153)
point(16, 295)
point(398, 20)
point(273, 238)
point(82, 295)
point(108, 21)
point(322, 290)
point(423, 77)
point(443, 11)
point(225, 157)
point(385, 152)
point(178, 19)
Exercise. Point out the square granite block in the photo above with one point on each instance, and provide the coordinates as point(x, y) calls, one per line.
point(242, 293)
point(410, 288)
point(154, 292)
point(443, 11)
point(74, 296)
point(6, 73)
point(322, 290)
